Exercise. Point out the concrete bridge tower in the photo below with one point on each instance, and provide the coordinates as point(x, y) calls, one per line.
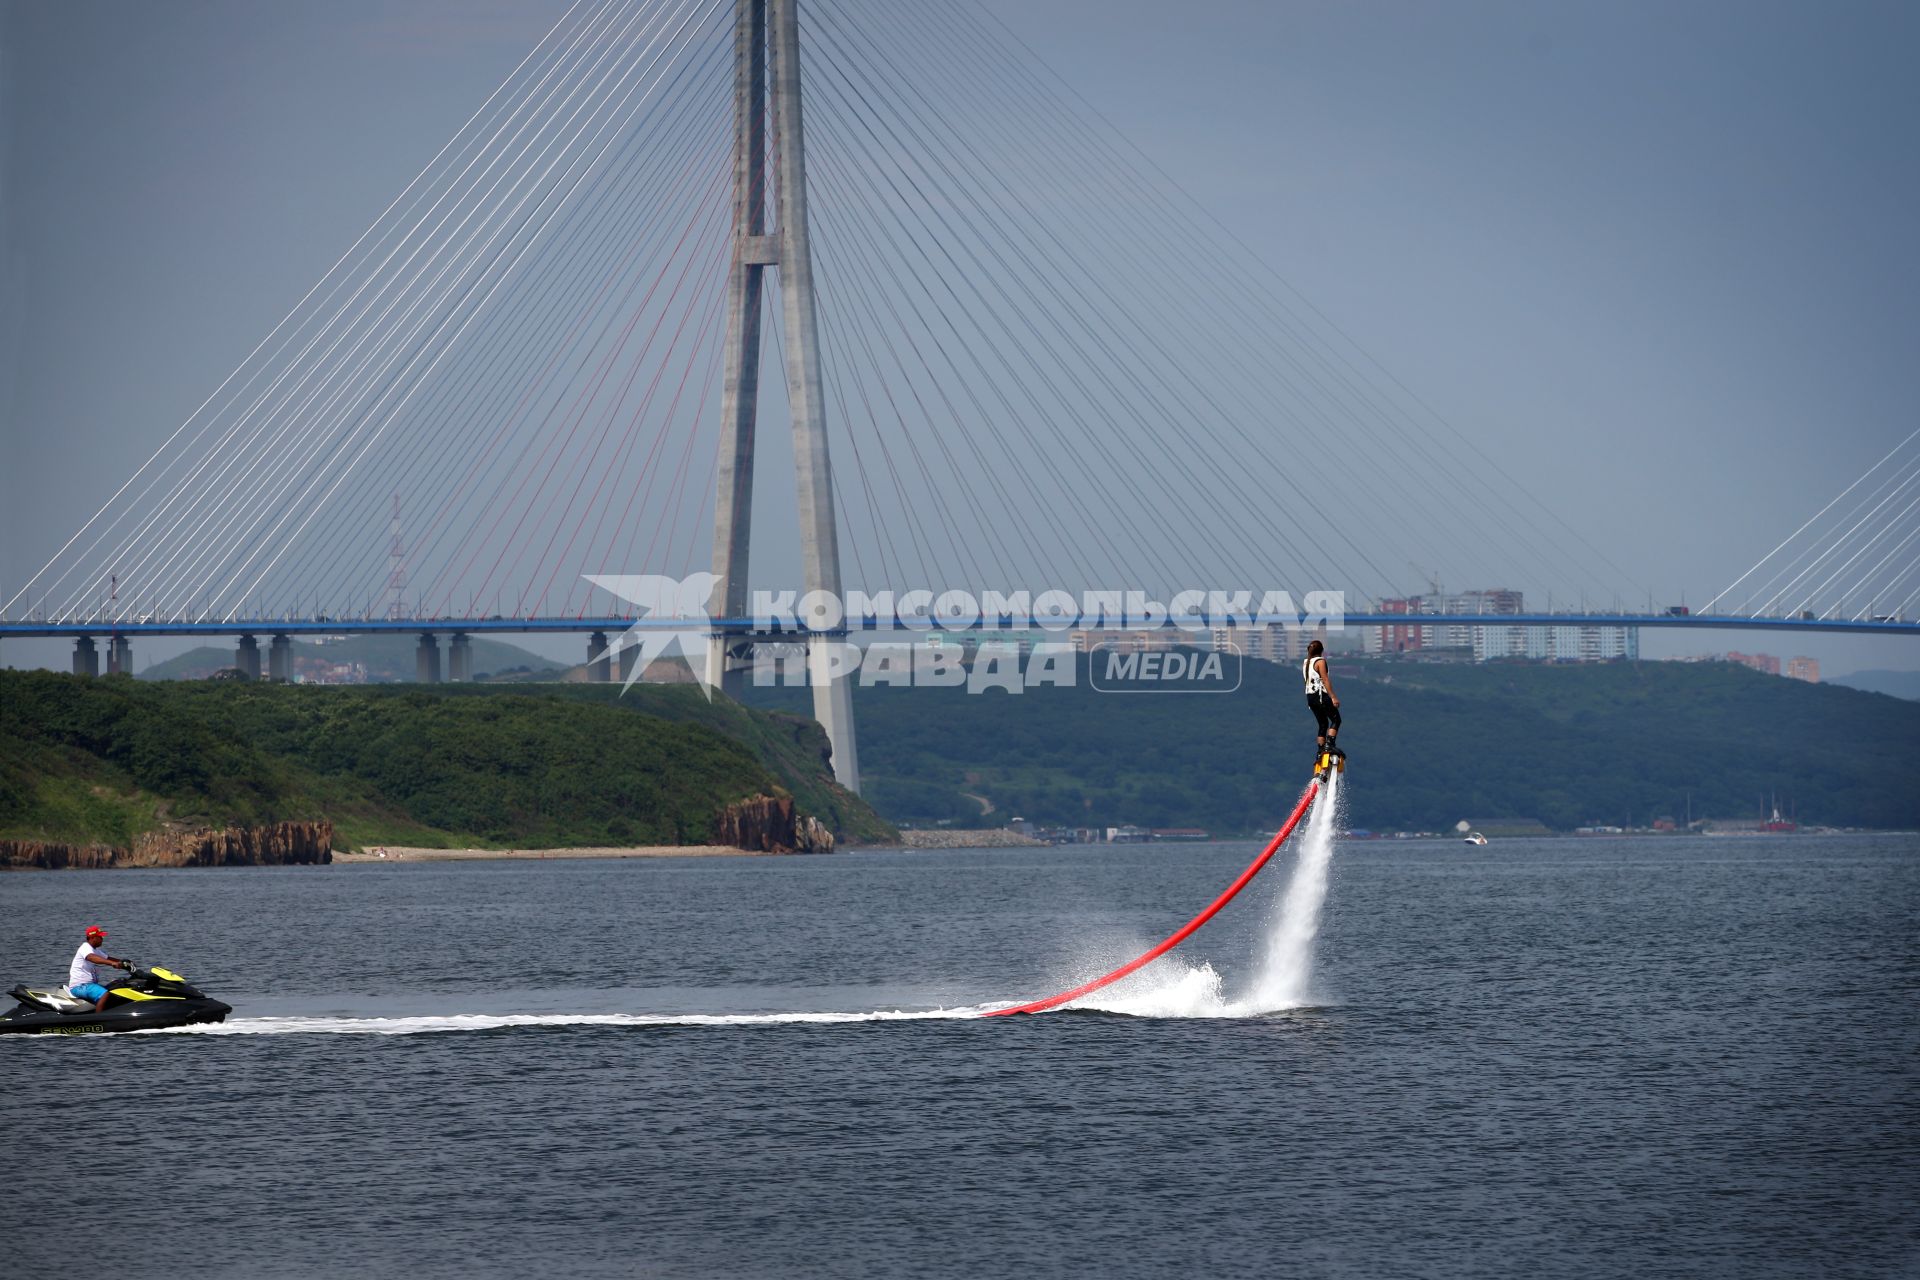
point(767, 69)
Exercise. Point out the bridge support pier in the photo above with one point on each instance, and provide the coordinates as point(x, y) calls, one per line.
point(459, 658)
point(86, 659)
point(599, 662)
point(120, 657)
point(629, 654)
point(246, 656)
point(767, 66)
point(280, 660)
point(426, 659)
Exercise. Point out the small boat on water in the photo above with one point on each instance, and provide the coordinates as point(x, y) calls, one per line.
point(1474, 837)
point(145, 1000)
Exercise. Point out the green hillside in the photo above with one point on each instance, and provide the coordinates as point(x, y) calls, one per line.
point(1613, 743)
point(386, 658)
point(104, 759)
point(1898, 684)
point(557, 765)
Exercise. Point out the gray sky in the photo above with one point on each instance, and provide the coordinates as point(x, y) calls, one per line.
point(1657, 257)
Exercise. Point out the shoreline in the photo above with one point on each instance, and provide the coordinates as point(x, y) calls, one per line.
point(968, 838)
point(381, 854)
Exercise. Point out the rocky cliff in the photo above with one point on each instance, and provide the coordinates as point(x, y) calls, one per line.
point(279, 844)
point(770, 824)
point(44, 856)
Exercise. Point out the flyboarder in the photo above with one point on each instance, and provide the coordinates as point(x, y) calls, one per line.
point(1325, 705)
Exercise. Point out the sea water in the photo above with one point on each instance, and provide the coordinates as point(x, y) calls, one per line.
point(1638, 1056)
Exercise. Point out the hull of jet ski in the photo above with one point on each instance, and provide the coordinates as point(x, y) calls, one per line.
point(145, 1015)
point(145, 1000)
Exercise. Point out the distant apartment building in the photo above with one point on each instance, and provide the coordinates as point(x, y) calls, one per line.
point(1603, 644)
point(1556, 644)
point(1266, 644)
point(1807, 669)
point(1399, 637)
point(1158, 639)
point(1491, 642)
point(1764, 663)
point(1492, 600)
point(1404, 637)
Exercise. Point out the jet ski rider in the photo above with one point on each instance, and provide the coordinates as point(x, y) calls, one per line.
point(83, 978)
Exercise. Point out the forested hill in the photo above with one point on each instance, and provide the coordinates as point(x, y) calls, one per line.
point(1611, 743)
point(1898, 684)
point(1620, 743)
point(102, 760)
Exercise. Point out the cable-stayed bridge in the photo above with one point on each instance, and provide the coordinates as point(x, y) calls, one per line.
point(1012, 354)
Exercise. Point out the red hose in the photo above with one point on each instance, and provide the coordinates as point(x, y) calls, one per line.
point(1185, 931)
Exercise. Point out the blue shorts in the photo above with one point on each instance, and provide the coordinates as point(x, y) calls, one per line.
point(91, 992)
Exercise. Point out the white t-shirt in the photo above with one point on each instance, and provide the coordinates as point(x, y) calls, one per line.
point(83, 971)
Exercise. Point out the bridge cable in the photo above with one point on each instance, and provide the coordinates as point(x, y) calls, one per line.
point(161, 544)
point(166, 444)
point(1123, 201)
point(501, 348)
point(917, 114)
point(875, 118)
point(1034, 60)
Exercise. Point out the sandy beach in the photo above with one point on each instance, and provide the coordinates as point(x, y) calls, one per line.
point(401, 853)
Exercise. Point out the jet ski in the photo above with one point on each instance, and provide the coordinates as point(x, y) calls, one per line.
point(144, 1000)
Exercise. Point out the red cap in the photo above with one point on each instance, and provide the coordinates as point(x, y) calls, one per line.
point(95, 933)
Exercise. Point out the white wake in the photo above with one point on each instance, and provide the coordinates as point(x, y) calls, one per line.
point(1285, 979)
point(1168, 988)
point(406, 1026)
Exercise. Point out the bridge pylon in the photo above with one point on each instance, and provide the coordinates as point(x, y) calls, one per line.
point(767, 71)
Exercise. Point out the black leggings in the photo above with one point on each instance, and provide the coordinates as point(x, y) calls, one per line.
point(1324, 711)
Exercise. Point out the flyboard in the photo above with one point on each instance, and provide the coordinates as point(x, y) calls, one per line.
point(1322, 766)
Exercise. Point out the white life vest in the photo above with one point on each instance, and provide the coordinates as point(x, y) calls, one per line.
point(1315, 685)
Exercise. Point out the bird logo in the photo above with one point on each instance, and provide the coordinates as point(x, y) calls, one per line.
point(673, 612)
